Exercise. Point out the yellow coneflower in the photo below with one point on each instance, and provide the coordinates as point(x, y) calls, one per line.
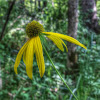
point(33, 46)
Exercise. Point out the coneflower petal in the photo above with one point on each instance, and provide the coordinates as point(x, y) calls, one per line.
point(64, 45)
point(39, 55)
point(29, 58)
point(57, 42)
point(19, 55)
point(65, 37)
point(24, 56)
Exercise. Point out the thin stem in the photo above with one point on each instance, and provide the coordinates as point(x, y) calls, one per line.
point(58, 72)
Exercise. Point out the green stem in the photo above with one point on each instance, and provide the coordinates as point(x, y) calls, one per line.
point(58, 72)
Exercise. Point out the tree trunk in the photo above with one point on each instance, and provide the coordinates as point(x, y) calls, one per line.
point(72, 31)
point(39, 5)
point(7, 18)
point(35, 5)
point(89, 14)
point(44, 4)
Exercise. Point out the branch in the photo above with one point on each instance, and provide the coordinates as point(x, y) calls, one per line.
point(7, 19)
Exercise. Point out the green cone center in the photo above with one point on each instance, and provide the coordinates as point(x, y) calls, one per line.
point(34, 28)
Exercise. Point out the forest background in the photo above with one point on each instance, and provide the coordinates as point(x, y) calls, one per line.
point(80, 68)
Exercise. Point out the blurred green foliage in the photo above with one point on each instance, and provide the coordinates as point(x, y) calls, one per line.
point(54, 18)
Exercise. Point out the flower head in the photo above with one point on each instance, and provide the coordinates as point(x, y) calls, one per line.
point(34, 28)
point(33, 46)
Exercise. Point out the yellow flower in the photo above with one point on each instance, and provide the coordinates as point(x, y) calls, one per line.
point(33, 46)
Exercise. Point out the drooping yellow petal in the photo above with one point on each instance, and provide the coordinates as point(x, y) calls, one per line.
point(57, 42)
point(29, 58)
point(19, 55)
point(24, 56)
point(39, 55)
point(64, 45)
point(67, 38)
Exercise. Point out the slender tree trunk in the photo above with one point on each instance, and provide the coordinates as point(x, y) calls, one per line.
point(44, 4)
point(72, 31)
point(39, 5)
point(35, 5)
point(89, 14)
point(7, 18)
